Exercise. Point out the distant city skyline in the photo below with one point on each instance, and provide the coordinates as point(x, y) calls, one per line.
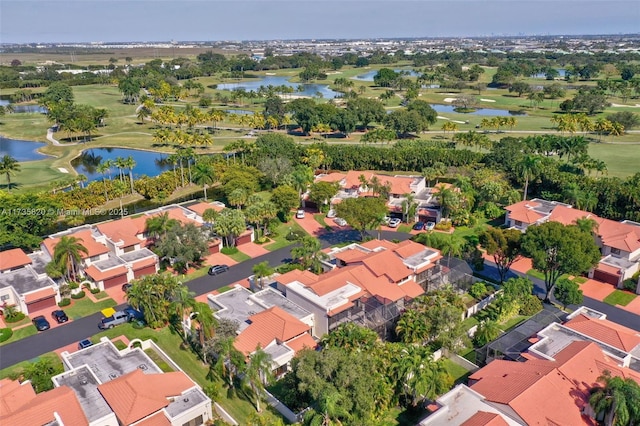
point(65, 21)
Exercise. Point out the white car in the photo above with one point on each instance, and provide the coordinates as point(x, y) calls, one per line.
point(386, 220)
point(331, 213)
point(300, 214)
point(394, 223)
point(429, 226)
point(340, 221)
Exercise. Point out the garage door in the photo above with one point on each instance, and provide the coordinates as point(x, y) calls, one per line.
point(148, 270)
point(36, 305)
point(606, 277)
point(112, 282)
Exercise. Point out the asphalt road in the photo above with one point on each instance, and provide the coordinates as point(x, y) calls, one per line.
point(50, 340)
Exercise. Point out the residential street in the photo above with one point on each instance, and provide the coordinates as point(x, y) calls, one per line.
point(50, 340)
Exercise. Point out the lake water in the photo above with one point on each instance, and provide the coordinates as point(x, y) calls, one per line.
point(21, 150)
point(368, 76)
point(561, 71)
point(309, 88)
point(239, 111)
point(24, 108)
point(479, 111)
point(147, 163)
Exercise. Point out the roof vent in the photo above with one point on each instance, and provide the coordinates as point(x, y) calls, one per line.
point(113, 375)
point(142, 367)
point(185, 399)
point(83, 380)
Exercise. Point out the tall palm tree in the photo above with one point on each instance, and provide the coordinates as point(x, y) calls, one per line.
point(617, 400)
point(301, 177)
point(68, 252)
point(328, 412)
point(528, 168)
point(486, 332)
point(229, 360)
point(207, 323)
point(411, 327)
point(9, 166)
point(103, 168)
point(182, 304)
point(119, 162)
point(261, 270)
point(159, 225)
point(238, 197)
point(203, 174)
point(259, 372)
point(129, 163)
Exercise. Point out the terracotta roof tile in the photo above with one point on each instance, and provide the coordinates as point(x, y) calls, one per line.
point(409, 248)
point(40, 294)
point(99, 275)
point(568, 215)
point(387, 263)
point(93, 247)
point(201, 207)
point(605, 331)
point(39, 409)
point(623, 236)
point(305, 277)
point(13, 258)
point(124, 230)
point(331, 177)
point(147, 261)
point(608, 269)
point(158, 419)
point(267, 326)
point(412, 289)
point(483, 418)
point(301, 342)
point(375, 244)
point(136, 395)
point(351, 255)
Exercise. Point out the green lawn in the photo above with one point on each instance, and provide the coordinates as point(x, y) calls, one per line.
point(619, 297)
point(21, 333)
point(280, 235)
point(320, 219)
point(23, 321)
point(101, 295)
point(457, 372)
point(513, 322)
point(621, 159)
point(405, 228)
point(239, 256)
point(14, 369)
point(84, 307)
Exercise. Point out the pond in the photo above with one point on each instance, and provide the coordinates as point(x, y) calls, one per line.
point(239, 111)
point(479, 111)
point(309, 89)
point(21, 150)
point(24, 108)
point(368, 76)
point(147, 163)
point(561, 73)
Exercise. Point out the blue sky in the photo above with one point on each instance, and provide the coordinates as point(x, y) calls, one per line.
point(23, 21)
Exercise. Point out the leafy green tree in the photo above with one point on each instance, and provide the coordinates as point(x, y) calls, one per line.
point(9, 166)
point(385, 77)
point(230, 223)
point(322, 192)
point(367, 110)
point(158, 225)
point(486, 332)
point(309, 253)
point(616, 400)
point(184, 244)
point(229, 361)
point(57, 93)
point(258, 373)
point(420, 376)
point(39, 374)
point(67, 253)
point(568, 292)
point(262, 270)
point(412, 328)
point(238, 197)
point(520, 87)
point(350, 337)
point(304, 113)
point(504, 246)
point(556, 249)
point(152, 295)
point(203, 174)
point(285, 199)
point(362, 213)
point(529, 167)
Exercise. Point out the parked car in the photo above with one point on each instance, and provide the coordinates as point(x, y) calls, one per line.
point(340, 221)
point(84, 344)
point(134, 314)
point(41, 323)
point(429, 226)
point(385, 220)
point(394, 223)
point(300, 214)
point(331, 214)
point(418, 226)
point(126, 287)
point(117, 318)
point(59, 316)
point(218, 269)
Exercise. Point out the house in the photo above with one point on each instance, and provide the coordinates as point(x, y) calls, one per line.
point(268, 320)
point(369, 284)
point(24, 282)
point(126, 387)
point(619, 242)
point(399, 187)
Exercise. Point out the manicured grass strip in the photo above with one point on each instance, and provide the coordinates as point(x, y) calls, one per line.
point(239, 256)
point(281, 233)
point(85, 307)
point(23, 321)
point(21, 333)
point(513, 322)
point(457, 372)
point(580, 280)
point(320, 219)
point(536, 274)
point(619, 297)
point(101, 295)
point(14, 369)
point(404, 228)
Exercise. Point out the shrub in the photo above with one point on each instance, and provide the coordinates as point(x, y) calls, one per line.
point(286, 267)
point(295, 235)
point(64, 302)
point(531, 305)
point(630, 285)
point(229, 250)
point(5, 334)
point(478, 290)
point(73, 285)
point(15, 317)
point(444, 225)
point(79, 295)
point(94, 290)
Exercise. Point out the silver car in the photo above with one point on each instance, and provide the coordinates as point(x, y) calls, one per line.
point(340, 221)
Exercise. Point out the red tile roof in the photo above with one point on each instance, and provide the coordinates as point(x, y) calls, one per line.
point(332, 177)
point(409, 248)
point(125, 230)
point(374, 244)
point(569, 215)
point(39, 295)
point(136, 395)
point(301, 342)
point(483, 418)
point(201, 207)
point(623, 236)
point(522, 212)
point(605, 331)
point(147, 261)
point(13, 258)
point(412, 289)
point(267, 326)
point(19, 405)
point(93, 247)
point(98, 275)
point(305, 277)
point(387, 263)
point(351, 255)
point(158, 419)
point(399, 185)
point(608, 268)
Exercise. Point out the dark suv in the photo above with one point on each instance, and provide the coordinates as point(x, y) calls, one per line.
point(218, 269)
point(41, 323)
point(59, 316)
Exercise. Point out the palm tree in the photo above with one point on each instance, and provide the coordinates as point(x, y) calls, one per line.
point(302, 176)
point(486, 332)
point(308, 252)
point(68, 252)
point(528, 168)
point(261, 270)
point(119, 162)
point(229, 359)
point(329, 411)
point(446, 198)
point(9, 166)
point(617, 400)
point(103, 168)
point(259, 372)
point(182, 303)
point(412, 327)
point(129, 163)
point(159, 225)
point(203, 174)
point(207, 323)
point(238, 197)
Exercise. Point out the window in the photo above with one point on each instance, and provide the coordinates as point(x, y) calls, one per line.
point(5, 297)
point(195, 422)
point(518, 223)
point(615, 251)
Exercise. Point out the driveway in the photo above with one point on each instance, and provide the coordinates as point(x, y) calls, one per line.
point(253, 250)
point(310, 225)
